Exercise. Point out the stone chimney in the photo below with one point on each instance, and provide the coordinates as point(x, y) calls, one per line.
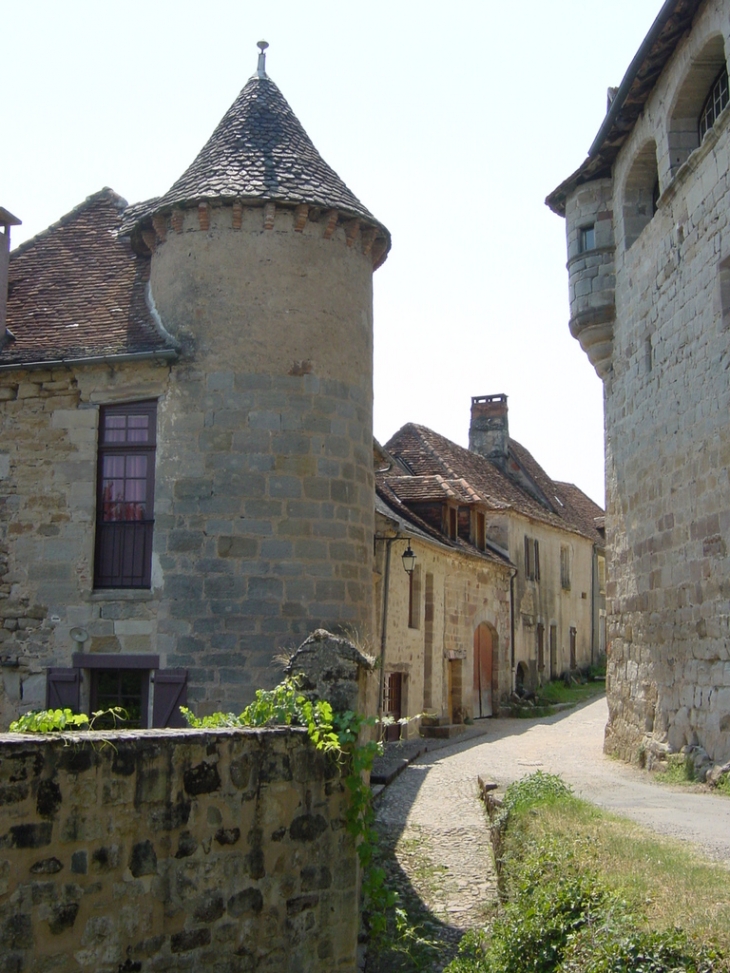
point(6, 221)
point(489, 428)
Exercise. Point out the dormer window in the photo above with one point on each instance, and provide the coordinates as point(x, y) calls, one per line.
point(716, 101)
point(451, 520)
point(479, 530)
point(587, 238)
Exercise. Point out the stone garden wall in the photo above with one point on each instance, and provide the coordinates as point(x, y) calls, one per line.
point(221, 850)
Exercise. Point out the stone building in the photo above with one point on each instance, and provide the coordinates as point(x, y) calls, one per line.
point(186, 482)
point(506, 589)
point(647, 220)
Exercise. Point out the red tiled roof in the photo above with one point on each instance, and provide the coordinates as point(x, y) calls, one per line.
point(77, 290)
point(388, 500)
point(428, 454)
point(431, 488)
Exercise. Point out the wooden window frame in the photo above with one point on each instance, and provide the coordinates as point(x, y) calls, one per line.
point(123, 547)
point(565, 567)
point(716, 102)
point(587, 238)
point(414, 598)
point(529, 571)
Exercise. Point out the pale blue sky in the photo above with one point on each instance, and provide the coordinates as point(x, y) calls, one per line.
point(450, 121)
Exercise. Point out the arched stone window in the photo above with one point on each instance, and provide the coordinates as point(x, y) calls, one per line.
point(716, 101)
point(699, 101)
point(641, 192)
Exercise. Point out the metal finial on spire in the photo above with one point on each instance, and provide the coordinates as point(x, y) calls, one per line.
point(261, 69)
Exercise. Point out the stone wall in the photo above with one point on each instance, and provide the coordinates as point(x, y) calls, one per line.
point(547, 603)
point(222, 851)
point(264, 492)
point(453, 594)
point(667, 402)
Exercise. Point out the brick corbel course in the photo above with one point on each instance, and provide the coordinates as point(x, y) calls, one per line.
point(331, 224)
point(300, 217)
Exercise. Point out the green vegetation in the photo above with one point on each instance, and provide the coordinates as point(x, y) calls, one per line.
point(584, 892)
point(556, 694)
point(337, 734)
point(58, 720)
point(678, 770)
point(556, 691)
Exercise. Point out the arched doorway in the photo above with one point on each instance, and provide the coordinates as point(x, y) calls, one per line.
point(484, 659)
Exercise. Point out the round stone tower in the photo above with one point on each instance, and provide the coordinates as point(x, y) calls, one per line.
point(261, 269)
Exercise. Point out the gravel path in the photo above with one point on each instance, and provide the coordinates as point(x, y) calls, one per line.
point(433, 821)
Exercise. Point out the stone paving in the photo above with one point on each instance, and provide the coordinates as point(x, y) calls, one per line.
point(431, 817)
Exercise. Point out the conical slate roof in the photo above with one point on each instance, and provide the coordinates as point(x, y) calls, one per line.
point(260, 151)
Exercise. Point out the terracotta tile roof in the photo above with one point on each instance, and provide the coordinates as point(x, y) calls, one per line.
point(388, 503)
point(77, 290)
point(429, 454)
point(431, 488)
point(260, 152)
point(582, 509)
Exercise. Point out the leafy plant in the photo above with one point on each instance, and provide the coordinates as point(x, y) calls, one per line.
point(337, 734)
point(58, 720)
point(679, 769)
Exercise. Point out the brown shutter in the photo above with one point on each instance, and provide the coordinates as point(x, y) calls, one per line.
point(63, 689)
point(170, 693)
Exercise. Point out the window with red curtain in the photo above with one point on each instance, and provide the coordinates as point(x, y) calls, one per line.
point(125, 495)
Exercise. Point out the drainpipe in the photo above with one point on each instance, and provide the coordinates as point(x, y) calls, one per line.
point(594, 614)
point(512, 622)
point(384, 621)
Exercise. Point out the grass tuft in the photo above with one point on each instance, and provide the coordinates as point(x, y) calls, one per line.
point(586, 892)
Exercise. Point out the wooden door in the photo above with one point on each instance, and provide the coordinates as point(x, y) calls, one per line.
point(394, 704)
point(553, 651)
point(483, 664)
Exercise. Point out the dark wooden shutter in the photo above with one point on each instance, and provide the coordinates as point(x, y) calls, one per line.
point(170, 693)
point(63, 689)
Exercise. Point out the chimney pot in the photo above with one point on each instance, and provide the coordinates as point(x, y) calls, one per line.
point(489, 428)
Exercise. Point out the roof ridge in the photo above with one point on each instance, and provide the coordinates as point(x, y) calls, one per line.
point(67, 218)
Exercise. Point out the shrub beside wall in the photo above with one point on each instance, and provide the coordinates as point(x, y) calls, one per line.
point(222, 850)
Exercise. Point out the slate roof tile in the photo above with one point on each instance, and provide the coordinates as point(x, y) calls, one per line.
point(260, 152)
point(77, 290)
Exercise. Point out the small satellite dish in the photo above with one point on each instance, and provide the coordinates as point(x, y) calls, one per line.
point(262, 45)
point(79, 634)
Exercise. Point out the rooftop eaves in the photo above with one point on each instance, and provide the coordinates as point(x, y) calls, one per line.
point(671, 24)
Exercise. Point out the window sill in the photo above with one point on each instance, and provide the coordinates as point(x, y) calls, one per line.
point(695, 157)
point(122, 594)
